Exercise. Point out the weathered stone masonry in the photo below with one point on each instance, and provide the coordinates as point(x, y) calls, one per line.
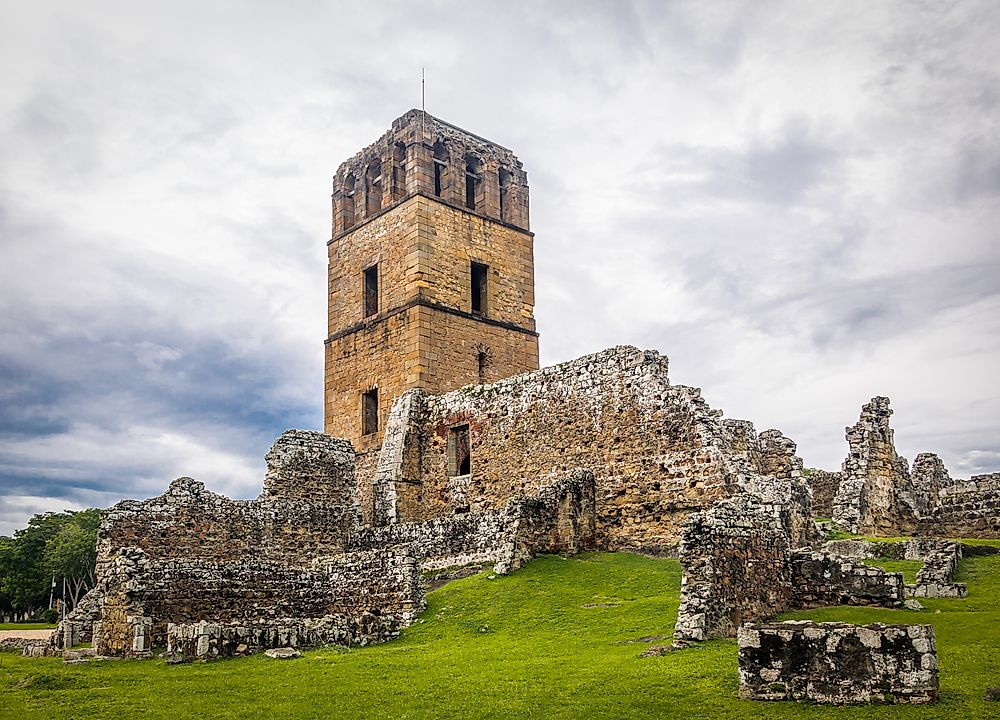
point(206, 575)
point(431, 275)
point(837, 663)
point(743, 564)
point(876, 493)
point(264, 565)
point(657, 451)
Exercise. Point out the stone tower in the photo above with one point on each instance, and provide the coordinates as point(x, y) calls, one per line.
point(431, 275)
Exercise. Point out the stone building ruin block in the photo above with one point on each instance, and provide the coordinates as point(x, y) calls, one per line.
point(657, 452)
point(837, 663)
point(876, 494)
point(741, 564)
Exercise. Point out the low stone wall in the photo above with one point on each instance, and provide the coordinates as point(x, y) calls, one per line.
point(940, 558)
point(935, 578)
point(205, 639)
point(258, 592)
point(837, 663)
point(821, 579)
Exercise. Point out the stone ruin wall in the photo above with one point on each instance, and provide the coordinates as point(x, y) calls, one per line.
point(207, 575)
point(558, 519)
point(824, 485)
point(964, 508)
point(940, 561)
point(837, 663)
point(193, 556)
point(742, 564)
point(878, 495)
point(657, 451)
point(736, 570)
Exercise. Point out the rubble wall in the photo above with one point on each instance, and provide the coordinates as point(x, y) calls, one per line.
point(307, 509)
point(559, 518)
point(741, 565)
point(823, 485)
point(820, 579)
point(657, 451)
point(736, 570)
point(837, 663)
point(876, 495)
point(192, 556)
point(965, 508)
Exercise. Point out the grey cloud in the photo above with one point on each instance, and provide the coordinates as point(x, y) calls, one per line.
point(164, 203)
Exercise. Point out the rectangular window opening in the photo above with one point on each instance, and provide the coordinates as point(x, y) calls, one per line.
point(479, 274)
point(459, 453)
point(371, 291)
point(439, 167)
point(369, 412)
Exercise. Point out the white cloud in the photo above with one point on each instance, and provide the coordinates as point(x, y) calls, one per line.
point(798, 206)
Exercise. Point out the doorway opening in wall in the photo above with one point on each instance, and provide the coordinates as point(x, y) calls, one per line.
point(369, 412)
point(371, 291)
point(479, 275)
point(459, 453)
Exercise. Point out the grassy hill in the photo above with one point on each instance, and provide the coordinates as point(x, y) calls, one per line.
point(558, 639)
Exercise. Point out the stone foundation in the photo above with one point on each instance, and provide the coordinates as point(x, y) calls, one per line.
point(837, 663)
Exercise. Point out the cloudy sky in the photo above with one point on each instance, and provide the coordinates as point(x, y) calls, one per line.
point(796, 202)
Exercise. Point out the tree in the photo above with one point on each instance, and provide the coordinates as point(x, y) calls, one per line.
point(54, 544)
point(72, 553)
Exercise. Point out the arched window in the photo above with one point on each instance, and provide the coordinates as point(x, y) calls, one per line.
point(398, 171)
point(440, 168)
point(472, 181)
point(505, 179)
point(373, 187)
point(347, 200)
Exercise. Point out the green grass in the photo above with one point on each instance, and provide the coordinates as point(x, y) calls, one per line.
point(523, 646)
point(909, 568)
point(26, 626)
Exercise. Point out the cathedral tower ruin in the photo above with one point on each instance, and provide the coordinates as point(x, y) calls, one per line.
point(431, 274)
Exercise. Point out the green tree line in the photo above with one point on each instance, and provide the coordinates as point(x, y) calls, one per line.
point(55, 547)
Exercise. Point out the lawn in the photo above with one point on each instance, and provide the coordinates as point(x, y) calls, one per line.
point(557, 639)
point(25, 626)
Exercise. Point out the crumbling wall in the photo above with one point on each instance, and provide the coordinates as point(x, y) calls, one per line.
point(736, 570)
point(936, 577)
point(740, 565)
point(657, 451)
point(771, 471)
point(559, 518)
point(307, 509)
point(876, 494)
point(965, 508)
point(824, 486)
point(837, 663)
point(820, 579)
point(191, 556)
point(930, 477)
